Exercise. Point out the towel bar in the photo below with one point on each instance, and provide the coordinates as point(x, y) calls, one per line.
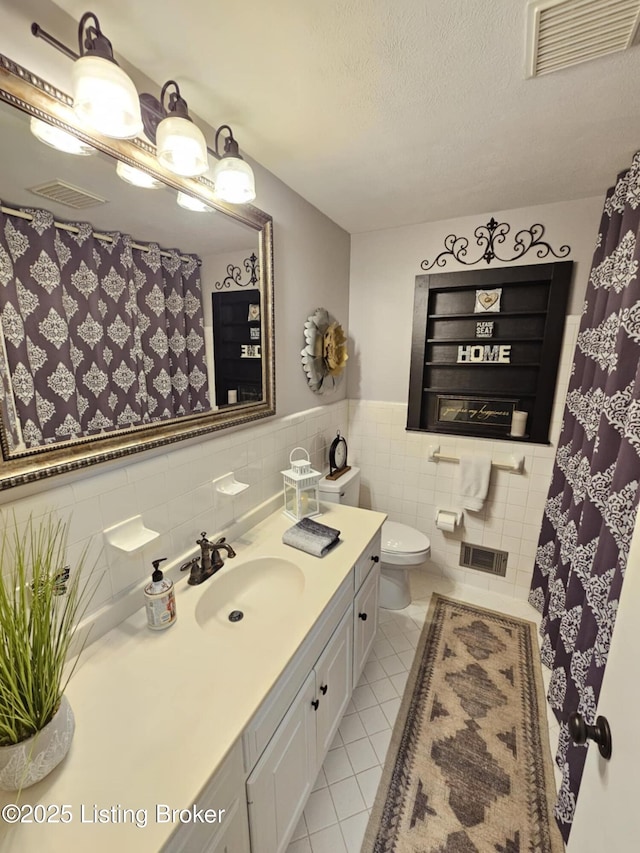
point(515, 463)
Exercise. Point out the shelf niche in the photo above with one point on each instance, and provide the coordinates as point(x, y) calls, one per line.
point(530, 323)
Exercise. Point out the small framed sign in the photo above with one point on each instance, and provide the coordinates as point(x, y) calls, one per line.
point(474, 411)
point(484, 329)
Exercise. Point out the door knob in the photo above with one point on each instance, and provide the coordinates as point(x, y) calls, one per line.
point(362, 616)
point(375, 558)
point(315, 703)
point(600, 733)
point(323, 689)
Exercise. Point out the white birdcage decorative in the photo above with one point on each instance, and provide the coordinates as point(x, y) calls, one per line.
point(301, 489)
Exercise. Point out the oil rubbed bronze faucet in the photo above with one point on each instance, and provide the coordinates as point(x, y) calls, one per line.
point(210, 560)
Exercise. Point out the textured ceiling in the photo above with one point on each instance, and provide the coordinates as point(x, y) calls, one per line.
point(389, 112)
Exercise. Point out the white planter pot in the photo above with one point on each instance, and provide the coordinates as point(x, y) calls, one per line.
point(23, 764)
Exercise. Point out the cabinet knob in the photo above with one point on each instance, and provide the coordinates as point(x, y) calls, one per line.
point(315, 704)
point(375, 559)
point(600, 733)
point(362, 616)
point(323, 689)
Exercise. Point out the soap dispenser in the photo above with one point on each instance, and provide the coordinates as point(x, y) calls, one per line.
point(160, 599)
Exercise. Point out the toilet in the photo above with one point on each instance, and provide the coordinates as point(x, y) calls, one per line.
point(402, 546)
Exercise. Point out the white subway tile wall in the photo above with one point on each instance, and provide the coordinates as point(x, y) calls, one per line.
point(172, 490)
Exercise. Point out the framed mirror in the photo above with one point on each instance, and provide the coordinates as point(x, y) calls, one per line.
point(58, 415)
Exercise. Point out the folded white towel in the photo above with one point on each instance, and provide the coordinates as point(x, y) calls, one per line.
point(475, 472)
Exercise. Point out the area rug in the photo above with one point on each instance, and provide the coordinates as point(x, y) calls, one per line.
point(469, 766)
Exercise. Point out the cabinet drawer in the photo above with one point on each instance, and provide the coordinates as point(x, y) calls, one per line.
point(261, 728)
point(366, 560)
point(225, 794)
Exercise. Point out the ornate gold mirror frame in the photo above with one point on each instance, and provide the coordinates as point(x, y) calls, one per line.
point(36, 97)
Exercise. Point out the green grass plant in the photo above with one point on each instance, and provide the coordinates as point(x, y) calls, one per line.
point(39, 617)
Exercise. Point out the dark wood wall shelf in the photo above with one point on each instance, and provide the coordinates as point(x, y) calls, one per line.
point(231, 330)
point(530, 321)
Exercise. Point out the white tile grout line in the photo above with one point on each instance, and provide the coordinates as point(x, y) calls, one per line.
point(360, 746)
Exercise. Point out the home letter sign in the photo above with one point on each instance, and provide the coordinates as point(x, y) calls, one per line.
point(477, 353)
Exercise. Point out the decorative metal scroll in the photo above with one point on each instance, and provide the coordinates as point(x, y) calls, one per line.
point(234, 274)
point(489, 237)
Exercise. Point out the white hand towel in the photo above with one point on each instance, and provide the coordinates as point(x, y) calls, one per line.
point(475, 472)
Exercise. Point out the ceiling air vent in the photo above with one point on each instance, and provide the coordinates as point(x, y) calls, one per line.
point(68, 195)
point(561, 33)
point(488, 560)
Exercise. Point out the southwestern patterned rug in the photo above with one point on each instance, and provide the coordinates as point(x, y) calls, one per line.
point(469, 766)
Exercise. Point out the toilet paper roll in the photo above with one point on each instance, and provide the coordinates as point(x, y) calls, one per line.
point(446, 520)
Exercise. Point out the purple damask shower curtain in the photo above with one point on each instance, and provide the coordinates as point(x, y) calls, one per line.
point(98, 334)
point(592, 503)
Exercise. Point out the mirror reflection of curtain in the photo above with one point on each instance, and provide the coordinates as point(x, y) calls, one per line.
point(99, 334)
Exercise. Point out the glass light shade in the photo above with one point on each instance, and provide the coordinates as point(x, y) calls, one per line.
point(105, 98)
point(59, 139)
point(136, 176)
point(234, 181)
point(181, 147)
point(191, 203)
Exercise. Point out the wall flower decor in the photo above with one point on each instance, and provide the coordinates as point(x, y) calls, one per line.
point(324, 356)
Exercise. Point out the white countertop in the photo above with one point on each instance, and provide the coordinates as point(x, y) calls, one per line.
point(157, 711)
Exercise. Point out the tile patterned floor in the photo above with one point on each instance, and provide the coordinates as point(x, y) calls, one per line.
point(338, 808)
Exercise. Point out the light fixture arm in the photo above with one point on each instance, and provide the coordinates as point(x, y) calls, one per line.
point(91, 40)
point(177, 105)
point(230, 144)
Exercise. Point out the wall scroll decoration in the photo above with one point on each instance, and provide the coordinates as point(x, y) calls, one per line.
point(489, 238)
point(234, 274)
point(325, 355)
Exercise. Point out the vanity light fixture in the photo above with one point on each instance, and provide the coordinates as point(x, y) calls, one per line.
point(232, 176)
point(104, 96)
point(137, 177)
point(180, 144)
point(190, 203)
point(59, 139)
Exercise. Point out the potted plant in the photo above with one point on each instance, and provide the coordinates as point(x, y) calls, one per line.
point(41, 604)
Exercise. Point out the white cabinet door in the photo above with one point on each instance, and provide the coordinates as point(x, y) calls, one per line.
point(365, 621)
point(234, 837)
point(281, 781)
point(224, 796)
point(334, 683)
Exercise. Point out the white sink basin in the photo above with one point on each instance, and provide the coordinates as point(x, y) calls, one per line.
point(250, 595)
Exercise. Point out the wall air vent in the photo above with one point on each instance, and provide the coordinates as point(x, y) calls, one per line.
point(561, 33)
point(68, 195)
point(488, 560)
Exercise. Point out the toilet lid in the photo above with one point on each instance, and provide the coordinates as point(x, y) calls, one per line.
point(402, 539)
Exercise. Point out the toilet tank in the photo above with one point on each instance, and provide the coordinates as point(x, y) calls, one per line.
point(344, 490)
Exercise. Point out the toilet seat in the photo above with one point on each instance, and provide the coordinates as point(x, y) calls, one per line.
point(403, 545)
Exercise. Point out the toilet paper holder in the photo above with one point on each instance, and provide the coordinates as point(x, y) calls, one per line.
point(457, 515)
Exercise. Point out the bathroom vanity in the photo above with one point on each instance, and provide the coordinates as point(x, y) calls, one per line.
point(208, 737)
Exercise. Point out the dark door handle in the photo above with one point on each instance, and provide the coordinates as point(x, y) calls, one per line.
point(600, 733)
point(375, 558)
point(323, 689)
point(362, 616)
point(315, 704)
